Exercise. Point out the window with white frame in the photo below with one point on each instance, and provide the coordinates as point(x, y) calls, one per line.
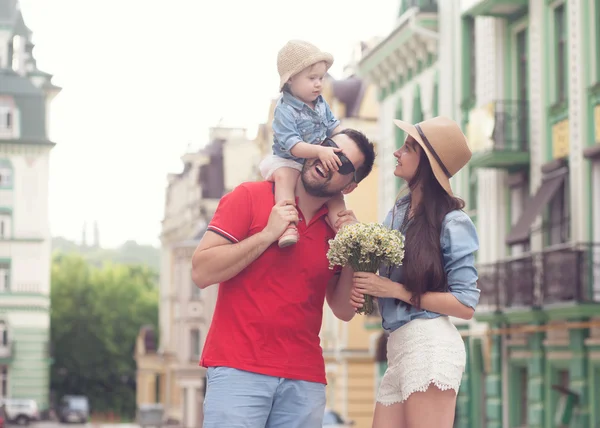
point(18, 45)
point(5, 226)
point(195, 344)
point(4, 276)
point(4, 382)
point(7, 117)
point(6, 173)
point(3, 334)
point(558, 219)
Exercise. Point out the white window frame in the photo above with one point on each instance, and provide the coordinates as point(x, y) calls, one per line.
point(5, 277)
point(4, 382)
point(5, 226)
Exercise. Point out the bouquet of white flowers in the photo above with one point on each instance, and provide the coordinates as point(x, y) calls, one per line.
point(365, 246)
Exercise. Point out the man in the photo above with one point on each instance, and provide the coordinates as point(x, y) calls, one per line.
point(265, 364)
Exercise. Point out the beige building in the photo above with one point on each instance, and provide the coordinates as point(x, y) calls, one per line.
point(169, 372)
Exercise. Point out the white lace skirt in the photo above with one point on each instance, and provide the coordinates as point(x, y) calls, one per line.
point(421, 353)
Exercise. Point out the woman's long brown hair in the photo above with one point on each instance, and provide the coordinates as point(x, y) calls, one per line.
point(423, 261)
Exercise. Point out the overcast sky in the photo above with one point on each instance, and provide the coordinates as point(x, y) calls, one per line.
point(142, 79)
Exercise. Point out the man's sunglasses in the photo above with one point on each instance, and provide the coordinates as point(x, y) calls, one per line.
point(347, 166)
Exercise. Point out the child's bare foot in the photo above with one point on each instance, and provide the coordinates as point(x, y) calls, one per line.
point(289, 237)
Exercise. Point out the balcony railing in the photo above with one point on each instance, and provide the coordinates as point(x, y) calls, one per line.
point(556, 275)
point(511, 126)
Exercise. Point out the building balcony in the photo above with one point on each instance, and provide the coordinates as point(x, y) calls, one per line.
point(499, 135)
point(567, 274)
point(495, 8)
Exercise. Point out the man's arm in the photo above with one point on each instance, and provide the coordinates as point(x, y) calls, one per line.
point(217, 259)
point(340, 286)
point(338, 294)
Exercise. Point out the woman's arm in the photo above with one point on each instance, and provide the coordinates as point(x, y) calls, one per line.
point(459, 243)
point(440, 302)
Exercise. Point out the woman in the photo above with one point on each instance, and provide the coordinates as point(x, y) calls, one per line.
point(426, 354)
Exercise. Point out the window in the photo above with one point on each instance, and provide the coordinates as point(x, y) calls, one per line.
point(18, 50)
point(558, 219)
point(560, 36)
point(472, 57)
point(523, 383)
point(195, 344)
point(6, 172)
point(4, 382)
point(519, 197)
point(3, 334)
point(522, 88)
point(157, 388)
point(5, 226)
point(4, 276)
point(522, 65)
point(7, 117)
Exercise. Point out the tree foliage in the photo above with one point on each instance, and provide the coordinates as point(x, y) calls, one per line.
point(95, 318)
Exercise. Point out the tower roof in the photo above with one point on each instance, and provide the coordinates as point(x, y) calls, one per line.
point(10, 15)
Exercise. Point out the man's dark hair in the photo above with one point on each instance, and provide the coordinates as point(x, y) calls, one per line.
point(367, 149)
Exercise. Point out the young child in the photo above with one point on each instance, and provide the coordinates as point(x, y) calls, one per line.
point(302, 120)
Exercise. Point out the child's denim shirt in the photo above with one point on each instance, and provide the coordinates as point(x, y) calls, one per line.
point(295, 122)
point(459, 242)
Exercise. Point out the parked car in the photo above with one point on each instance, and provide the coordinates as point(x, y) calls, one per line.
point(74, 408)
point(332, 419)
point(20, 411)
point(2, 416)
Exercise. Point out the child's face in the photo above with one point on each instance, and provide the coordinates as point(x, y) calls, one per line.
point(308, 84)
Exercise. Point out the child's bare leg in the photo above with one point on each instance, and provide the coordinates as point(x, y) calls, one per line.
point(335, 205)
point(285, 188)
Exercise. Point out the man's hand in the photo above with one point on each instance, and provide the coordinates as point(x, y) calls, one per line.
point(282, 214)
point(328, 157)
point(345, 218)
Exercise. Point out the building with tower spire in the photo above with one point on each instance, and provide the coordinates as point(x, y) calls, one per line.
point(25, 96)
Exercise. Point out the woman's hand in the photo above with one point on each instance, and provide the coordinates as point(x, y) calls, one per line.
point(376, 286)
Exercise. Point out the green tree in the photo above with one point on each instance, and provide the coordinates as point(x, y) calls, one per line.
point(96, 315)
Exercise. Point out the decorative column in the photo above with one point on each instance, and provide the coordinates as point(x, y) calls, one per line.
point(578, 376)
point(493, 381)
point(463, 401)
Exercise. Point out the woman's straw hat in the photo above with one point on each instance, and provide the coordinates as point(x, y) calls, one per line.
point(444, 144)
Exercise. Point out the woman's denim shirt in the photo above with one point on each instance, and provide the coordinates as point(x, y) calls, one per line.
point(458, 243)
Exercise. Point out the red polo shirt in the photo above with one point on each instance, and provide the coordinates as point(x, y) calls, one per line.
point(267, 318)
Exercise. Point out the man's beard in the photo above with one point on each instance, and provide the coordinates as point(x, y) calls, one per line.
point(319, 190)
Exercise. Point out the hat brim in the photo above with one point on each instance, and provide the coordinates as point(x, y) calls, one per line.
point(325, 57)
point(435, 167)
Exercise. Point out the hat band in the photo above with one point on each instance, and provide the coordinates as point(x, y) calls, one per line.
point(433, 152)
